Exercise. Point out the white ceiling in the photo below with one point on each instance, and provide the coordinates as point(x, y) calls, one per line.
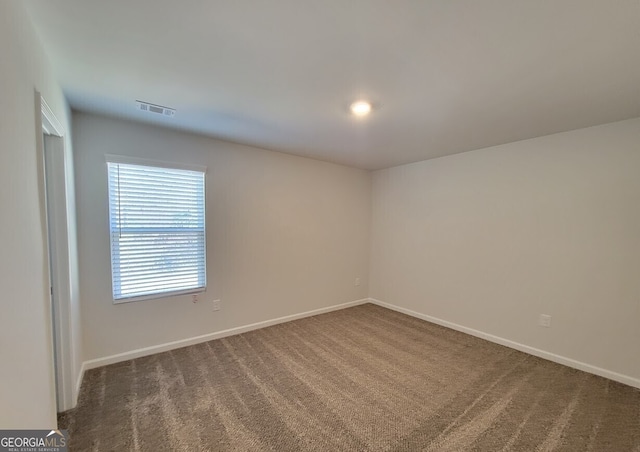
point(446, 76)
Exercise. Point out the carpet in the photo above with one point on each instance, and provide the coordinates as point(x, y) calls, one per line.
point(360, 379)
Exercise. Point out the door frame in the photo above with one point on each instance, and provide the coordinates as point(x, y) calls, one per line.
point(57, 237)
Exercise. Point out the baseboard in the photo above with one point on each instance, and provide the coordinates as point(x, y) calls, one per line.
point(78, 384)
point(138, 353)
point(76, 388)
point(99, 362)
point(631, 381)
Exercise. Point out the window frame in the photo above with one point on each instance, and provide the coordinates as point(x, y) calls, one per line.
point(126, 160)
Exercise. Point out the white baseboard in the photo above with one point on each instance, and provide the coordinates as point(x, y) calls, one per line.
point(631, 381)
point(76, 388)
point(99, 362)
point(78, 384)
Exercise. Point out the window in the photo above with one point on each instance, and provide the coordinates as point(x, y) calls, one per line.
point(157, 226)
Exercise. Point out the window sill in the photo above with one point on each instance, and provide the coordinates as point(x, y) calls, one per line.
point(157, 296)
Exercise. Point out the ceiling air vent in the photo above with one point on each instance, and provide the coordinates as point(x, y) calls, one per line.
point(157, 109)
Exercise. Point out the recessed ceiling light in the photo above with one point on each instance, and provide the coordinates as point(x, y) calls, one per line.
point(360, 108)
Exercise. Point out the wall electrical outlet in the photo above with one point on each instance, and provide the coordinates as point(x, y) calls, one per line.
point(545, 320)
point(357, 283)
point(217, 304)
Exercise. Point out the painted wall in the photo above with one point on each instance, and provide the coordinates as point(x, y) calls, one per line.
point(285, 235)
point(27, 388)
point(492, 238)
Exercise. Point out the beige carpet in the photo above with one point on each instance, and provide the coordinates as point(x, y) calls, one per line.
point(360, 379)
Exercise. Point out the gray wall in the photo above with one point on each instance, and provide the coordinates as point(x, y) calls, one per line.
point(27, 391)
point(285, 235)
point(490, 239)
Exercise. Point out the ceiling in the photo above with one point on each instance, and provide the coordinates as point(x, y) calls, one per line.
point(445, 76)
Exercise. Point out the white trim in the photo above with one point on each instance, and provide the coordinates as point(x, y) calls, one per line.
point(51, 140)
point(58, 248)
point(50, 123)
point(158, 295)
point(125, 159)
point(105, 361)
point(626, 379)
point(79, 379)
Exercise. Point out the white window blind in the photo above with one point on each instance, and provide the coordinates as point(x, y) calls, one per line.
point(157, 225)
